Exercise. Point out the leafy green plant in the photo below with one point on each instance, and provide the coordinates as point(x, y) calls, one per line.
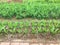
point(19, 31)
point(52, 26)
point(25, 10)
point(39, 30)
point(10, 24)
point(25, 31)
point(34, 31)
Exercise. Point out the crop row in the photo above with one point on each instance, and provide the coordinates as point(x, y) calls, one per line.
point(31, 27)
point(30, 10)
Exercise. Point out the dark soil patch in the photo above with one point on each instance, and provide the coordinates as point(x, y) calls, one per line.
point(10, 37)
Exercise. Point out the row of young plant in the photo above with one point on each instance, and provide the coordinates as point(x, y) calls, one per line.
point(30, 10)
point(31, 27)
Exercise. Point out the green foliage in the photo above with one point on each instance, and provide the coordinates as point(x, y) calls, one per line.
point(34, 27)
point(25, 31)
point(30, 10)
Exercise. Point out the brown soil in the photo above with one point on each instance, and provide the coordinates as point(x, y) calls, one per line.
point(40, 37)
point(17, 0)
point(11, 1)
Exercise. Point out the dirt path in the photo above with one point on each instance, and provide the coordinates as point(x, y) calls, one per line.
point(30, 42)
point(27, 19)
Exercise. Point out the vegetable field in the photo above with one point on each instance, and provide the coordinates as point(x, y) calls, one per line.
point(46, 12)
point(42, 26)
